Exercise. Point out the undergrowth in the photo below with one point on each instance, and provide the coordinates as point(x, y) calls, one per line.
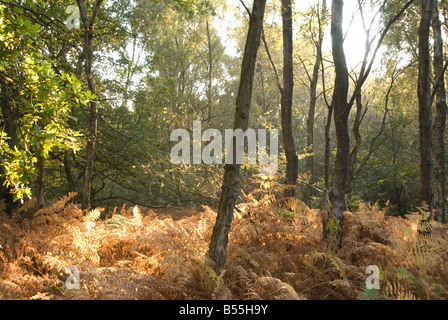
point(275, 252)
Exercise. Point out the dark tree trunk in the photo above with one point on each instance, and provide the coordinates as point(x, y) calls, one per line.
point(40, 166)
point(231, 179)
point(310, 128)
point(69, 173)
point(439, 120)
point(88, 50)
point(292, 160)
point(210, 70)
point(311, 111)
point(358, 139)
point(10, 127)
point(327, 160)
point(341, 112)
point(424, 102)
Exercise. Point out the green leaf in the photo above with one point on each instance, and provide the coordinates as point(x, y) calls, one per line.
point(369, 294)
point(37, 129)
point(402, 273)
point(18, 9)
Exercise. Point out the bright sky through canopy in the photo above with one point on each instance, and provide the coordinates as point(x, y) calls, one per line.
point(353, 27)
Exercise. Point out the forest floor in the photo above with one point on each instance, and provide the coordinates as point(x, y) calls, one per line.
point(275, 252)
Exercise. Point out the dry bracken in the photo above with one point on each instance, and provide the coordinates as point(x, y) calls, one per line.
point(275, 252)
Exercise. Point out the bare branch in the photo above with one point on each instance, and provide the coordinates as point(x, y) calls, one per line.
point(364, 74)
point(277, 78)
point(246, 8)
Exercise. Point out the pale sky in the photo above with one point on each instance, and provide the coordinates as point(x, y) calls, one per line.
point(355, 35)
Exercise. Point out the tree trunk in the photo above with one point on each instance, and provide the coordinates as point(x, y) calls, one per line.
point(210, 70)
point(439, 120)
point(424, 102)
point(69, 173)
point(292, 160)
point(327, 160)
point(310, 128)
point(311, 111)
point(354, 152)
point(88, 50)
point(10, 128)
point(40, 166)
point(231, 179)
point(341, 112)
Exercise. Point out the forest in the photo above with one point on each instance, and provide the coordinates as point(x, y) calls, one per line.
point(223, 150)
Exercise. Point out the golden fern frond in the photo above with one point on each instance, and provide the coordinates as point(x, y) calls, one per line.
point(271, 288)
point(426, 253)
point(93, 215)
point(57, 206)
point(123, 210)
point(323, 262)
point(406, 296)
point(210, 282)
point(433, 242)
point(28, 207)
point(137, 215)
point(296, 205)
point(395, 291)
point(83, 250)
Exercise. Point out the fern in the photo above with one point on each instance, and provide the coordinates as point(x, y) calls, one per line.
point(131, 256)
point(369, 294)
point(270, 288)
point(93, 215)
point(333, 229)
point(136, 214)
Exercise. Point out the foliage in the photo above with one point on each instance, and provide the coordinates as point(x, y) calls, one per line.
point(39, 98)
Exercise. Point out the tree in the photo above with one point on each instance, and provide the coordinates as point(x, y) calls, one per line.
point(10, 129)
point(231, 179)
point(313, 100)
point(88, 23)
point(342, 106)
point(286, 99)
point(286, 96)
point(36, 102)
point(424, 107)
point(439, 119)
point(341, 112)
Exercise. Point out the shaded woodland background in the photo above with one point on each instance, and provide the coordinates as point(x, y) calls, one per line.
point(152, 79)
point(86, 176)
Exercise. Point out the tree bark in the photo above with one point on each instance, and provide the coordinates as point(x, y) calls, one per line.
point(341, 112)
point(424, 102)
point(358, 140)
point(327, 160)
point(324, 204)
point(310, 135)
point(10, 128)
point(40, 166)
point(292, 160)
point(439, 119)
point(88, 62)
point(69, 173)
point(311, 113)
point(231, 179)
point(210, 70)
